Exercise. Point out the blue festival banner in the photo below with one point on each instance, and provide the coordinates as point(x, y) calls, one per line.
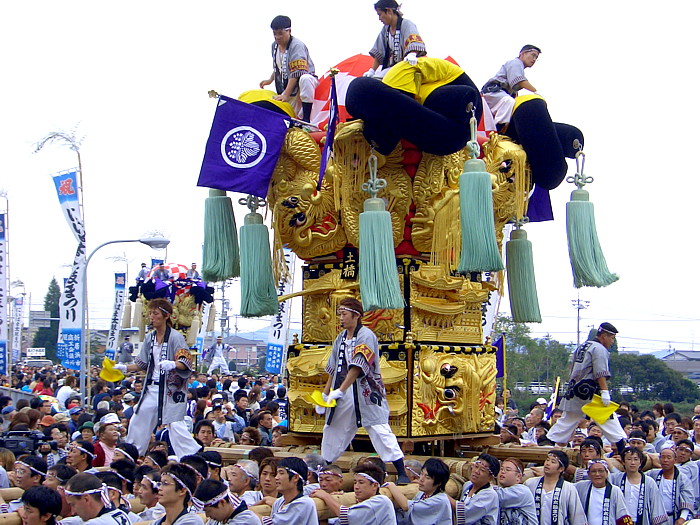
point(500, 346)
point(116, 321)
point(71, 307)
point(276, 355)
point(4, 294)
point(243, 147)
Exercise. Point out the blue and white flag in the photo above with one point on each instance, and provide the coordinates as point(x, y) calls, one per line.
point(71, 308)
point(4, 294)
point(276, 356)
point(116, 321)
point(500, 346)
point(17, 327)
point(243, 147)
point(330, 134)
point(552, 404)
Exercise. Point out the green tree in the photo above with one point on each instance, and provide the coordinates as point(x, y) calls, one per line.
point(47, 337)
point(651, 379)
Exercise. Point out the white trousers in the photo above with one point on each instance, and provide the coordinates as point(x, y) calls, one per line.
point(142, 424)
point(564, 428)
point(501, 105)
point(338, 435)
point(307, 88)
point(220, 363)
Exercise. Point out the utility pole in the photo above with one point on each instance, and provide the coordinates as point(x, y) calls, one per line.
point(579, 305)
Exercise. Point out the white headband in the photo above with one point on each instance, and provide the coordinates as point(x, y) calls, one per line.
point(347, 309)
point(182, 485)
point(330, 473)
point(248, 472)
point(84, 451)
point(102, 491)
point(233, 499)
point(599, 461)
point(36, 471)
point(367, 477)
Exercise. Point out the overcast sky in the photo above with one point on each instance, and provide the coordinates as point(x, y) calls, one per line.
point(133, 77)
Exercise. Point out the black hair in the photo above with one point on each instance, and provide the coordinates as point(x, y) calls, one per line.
point(159, 457)
point(676, 417)
point(530, 47)
point(639, 434)
point(202, 392)
point(561, 457)
point(637, 452)
point(141, 470)
point(198, 463)
point(35, 403)
point(125, 468)
point(211, 384)
point(595, 442)
point(89, 447)
point(686, 442)
point(494, 464)
point(371, 470)
point(438, 471)
point(63, 472)
point(83, 482)
point(259, 453)
point(185, 475)
point(281, 22)
point(204, 423)
point(238, 394)
point(37, 464)
point(213, 459)
point(110, 479)
point(281, 391)
point(387, 4)
point(644, 425)
point(298, 466)
point(130, 450)
point(45, 500)
point(208, 489)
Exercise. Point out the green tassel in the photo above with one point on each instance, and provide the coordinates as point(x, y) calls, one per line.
point(258, 291)
point(379, 278)
point(220, 258)
point(522, 289)
point(479, 247)
point(587, 260)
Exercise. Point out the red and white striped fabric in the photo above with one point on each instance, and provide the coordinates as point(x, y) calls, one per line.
point(354, 67)
point(175, 271)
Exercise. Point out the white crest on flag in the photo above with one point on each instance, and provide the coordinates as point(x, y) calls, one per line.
point(243, 147)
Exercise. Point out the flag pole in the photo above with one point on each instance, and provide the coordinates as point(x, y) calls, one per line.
point(505, 371)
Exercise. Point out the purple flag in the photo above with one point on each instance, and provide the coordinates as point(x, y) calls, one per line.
point(330, 134)
point(539, 208)
point(500, 356)
point(243, 146)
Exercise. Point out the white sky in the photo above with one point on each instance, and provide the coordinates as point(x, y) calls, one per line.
point(133, 76)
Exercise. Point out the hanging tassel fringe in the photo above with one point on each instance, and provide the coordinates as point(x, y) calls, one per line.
point(379, 279)
point(479, 246)
point(220, 257)
point(258, 291)
point(522, 289)
point(587, 260)
point(138, 319)
point(126, 316)
point(193, 331)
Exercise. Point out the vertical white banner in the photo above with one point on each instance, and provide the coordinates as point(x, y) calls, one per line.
point(17, 326)
point(4, 294)
point(276, 356)
point(116, 321)
point(71, 308)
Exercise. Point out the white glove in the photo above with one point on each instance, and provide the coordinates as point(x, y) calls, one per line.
point(167, 366)
point(121, 367)
point(335, 394)
point(411, 58)
point(605, 396)
point(369, 72)
point(320, 410)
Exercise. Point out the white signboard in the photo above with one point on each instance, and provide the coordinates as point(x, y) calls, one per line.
point(36, 352)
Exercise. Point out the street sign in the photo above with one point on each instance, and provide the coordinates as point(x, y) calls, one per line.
point(39, 319)
point(36, 352)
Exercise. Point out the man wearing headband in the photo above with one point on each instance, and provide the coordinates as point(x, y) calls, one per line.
point(431, 504)
point(30, 471)
point(398, 40)
point(556, 500)
point(242, 479)
point(40, 506)
point(684, 453)
point(602, 501)
point(516, 502)
point(642, 496)
point(589, 375)
point(215, 355)
point(676, 489)
point(89, 499)
point(116, 495)
point(500, 91)
point(175, 492)
point(371, 507)
point(355, 383)
point(478, 503)
point(293, 508)
point(165, 358)
point(80, 456)
point(330, 479)
point(221, 507)
point(292, 69)
point(146, 485)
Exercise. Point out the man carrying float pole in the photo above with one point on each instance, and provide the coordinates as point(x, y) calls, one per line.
point(355, 383)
